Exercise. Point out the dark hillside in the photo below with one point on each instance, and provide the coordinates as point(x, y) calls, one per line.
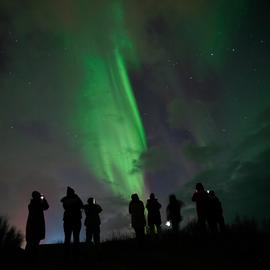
point(236, 250)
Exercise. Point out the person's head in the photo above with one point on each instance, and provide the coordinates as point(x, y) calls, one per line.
point(152, 196)
point(70, 191)
point(135, 197)
point(91, 200)
point(199, 187)
point(172, 198)
point(36, 195)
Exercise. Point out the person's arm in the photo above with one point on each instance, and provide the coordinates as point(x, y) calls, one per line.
point(194, 197)
point(80, 203)
point(63, 202)
point(99, 209)
point(147, 205)
point(29, 206)
point(45, 204)
point(220, 207)
point(142, 205)
point(129, 208)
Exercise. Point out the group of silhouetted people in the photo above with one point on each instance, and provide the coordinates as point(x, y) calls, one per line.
point(73, 207)
point(208, 206)
point(138, 221)
point(209, 210)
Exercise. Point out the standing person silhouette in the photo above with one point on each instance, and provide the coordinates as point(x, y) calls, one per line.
point(72, 205)
point(201, 198)
point(92, 221)
point(35, 226)
point(136, 210)
point(173, 212)
point(153, 217)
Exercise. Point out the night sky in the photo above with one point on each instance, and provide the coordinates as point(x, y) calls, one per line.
point(122, 96)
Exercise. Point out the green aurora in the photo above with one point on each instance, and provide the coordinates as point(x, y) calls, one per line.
point(113, 97)
point(108, 113)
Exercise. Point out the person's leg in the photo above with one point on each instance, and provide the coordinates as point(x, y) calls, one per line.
point(68, 232)
point(140, 236)
point(30, 252)
point(89, 235)
point(212, 223)
point(35, 250)
point(202, 225)
point(151, 229)
point(221, 224)
point(158, 230)
point(97, 236)
point(175, 227)
point(76, 232)
point(76, 237)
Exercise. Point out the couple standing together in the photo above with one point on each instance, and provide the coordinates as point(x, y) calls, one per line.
point(73, 205)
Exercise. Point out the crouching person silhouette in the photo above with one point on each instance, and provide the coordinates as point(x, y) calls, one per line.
point(35, 226)
point(92, 222)
point(72, 205)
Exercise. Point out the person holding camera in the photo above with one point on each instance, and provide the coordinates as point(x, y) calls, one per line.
point(35, 226)
point(92, 221)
